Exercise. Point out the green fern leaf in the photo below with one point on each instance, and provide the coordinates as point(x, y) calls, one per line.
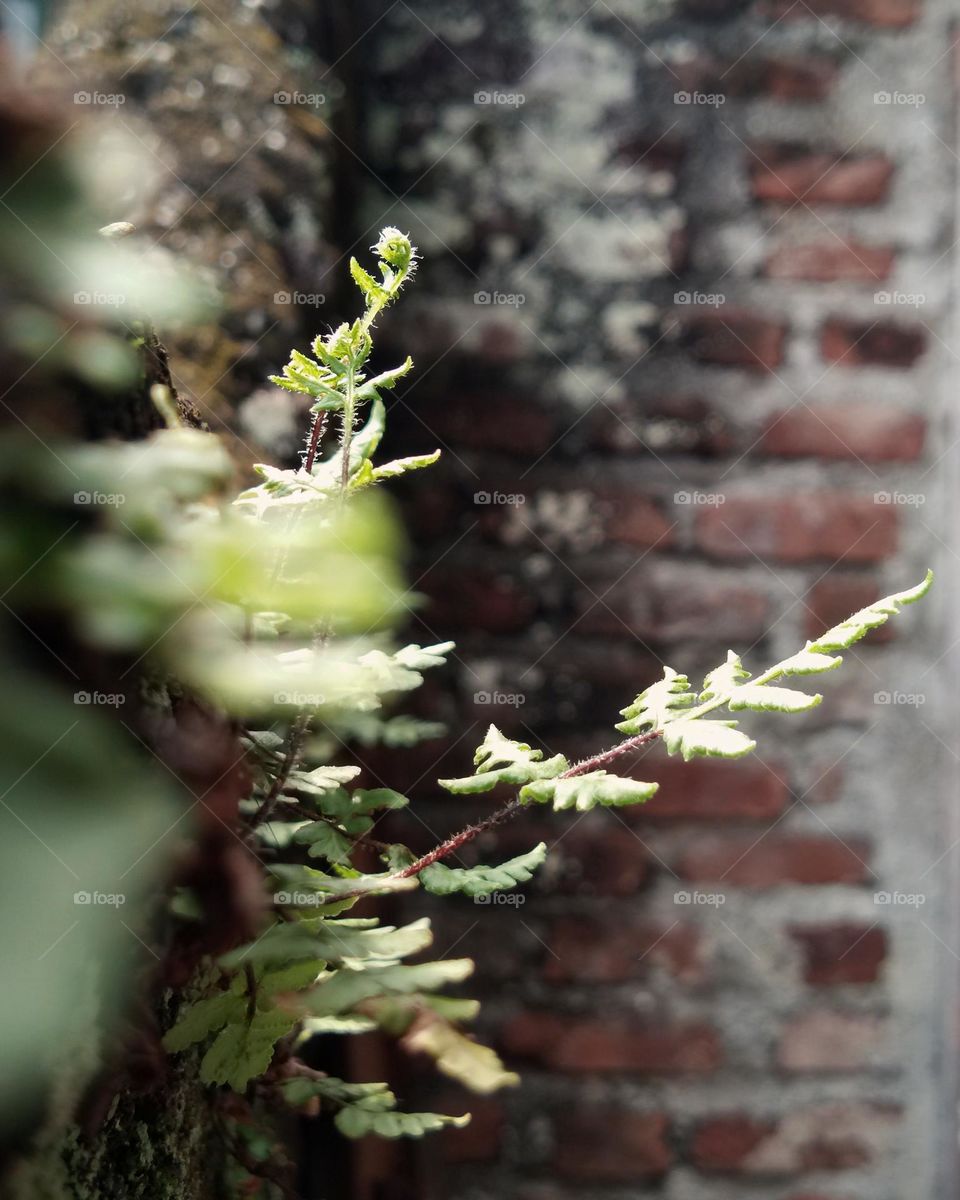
point(808, 662)
point(763, 698)
point(355, 1122)
point(498, 759)
point(474, 1065)
point(658, 704)
point(244, 1050)
point(201, 1019)
point(584, 792)
point(711, 739)
point(853, 628)
point(325, 841)
point(481, 881)
point(346, 988)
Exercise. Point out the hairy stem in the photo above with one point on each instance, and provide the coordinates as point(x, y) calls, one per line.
point(316, 433)
point(512, 807)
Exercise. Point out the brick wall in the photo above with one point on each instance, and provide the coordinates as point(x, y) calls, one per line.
point(686, 335)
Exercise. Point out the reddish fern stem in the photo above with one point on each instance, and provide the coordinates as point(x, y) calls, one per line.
point(316, 433)
point(512, 807)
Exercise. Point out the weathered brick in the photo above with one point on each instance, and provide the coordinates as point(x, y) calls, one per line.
point(788, 173)
point(609, 861)
point(844, 952)
point(566, 1043)
point(724, 1143)
point(709, 791)
point(833, 598)
point(792, 80)
point(662, 610)
point(799, 528)
point(830, 260)
point(658, 425)
point(589, 950)
point(859, 343)
point(884, 14)
point(464, 597)
point(612, 1145)
point(735, 339)
point(480, 1140)
point(830, 1041)
point(488, 420)
point(634, 518)
point(778, 859)
point(829, 1137)
point(861, 432)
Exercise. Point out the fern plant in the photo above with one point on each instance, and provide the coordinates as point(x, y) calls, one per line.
point(314, 968)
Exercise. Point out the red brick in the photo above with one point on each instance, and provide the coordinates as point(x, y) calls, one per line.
point(634, 519)
point(789, 174)
point(823, 782)
point(494, 420)
point(605, 862)
point(499, 339)
point(565, 1043)
point(829, 1041)
point(723, 1143)
point(480, 1140)
point(709, 791)
point(610, 1145)
point(828, 1137)
point(830, 260)
point(661, 425)
point(857, 343)
point(659, 151)
point(861, 432)
point(775, 860)
point(844, 952)
point(464, 597)
point(735, 339)
point(712, 10)
point(663, 611)
point(588, 950)
point(792, 80)
point(799, 528)
point(837, 596)
point(885, 14)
